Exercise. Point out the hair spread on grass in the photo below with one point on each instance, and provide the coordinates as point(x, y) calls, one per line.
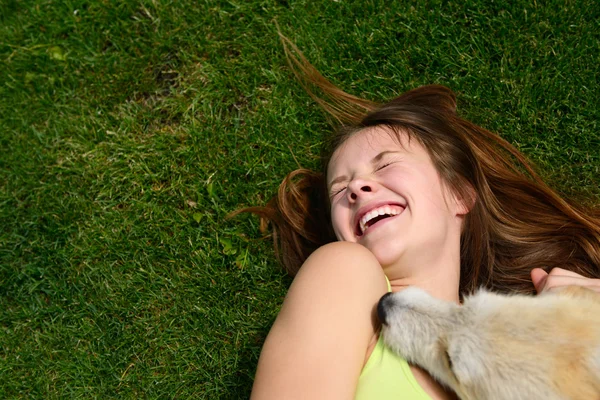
point(516, 223)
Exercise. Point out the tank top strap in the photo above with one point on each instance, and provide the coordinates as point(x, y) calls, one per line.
point(389, 285)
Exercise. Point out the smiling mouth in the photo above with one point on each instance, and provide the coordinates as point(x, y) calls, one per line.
point(376, 215)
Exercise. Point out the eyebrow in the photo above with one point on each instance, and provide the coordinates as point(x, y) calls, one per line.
point(374, 160)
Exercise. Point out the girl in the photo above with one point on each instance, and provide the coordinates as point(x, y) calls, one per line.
point(410, 194)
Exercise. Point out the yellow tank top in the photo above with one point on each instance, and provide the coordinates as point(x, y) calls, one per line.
point(388, 376)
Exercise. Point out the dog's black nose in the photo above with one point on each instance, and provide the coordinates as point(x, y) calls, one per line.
point(381, 308)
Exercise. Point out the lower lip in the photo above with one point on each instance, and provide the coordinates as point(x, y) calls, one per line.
point(379, 223)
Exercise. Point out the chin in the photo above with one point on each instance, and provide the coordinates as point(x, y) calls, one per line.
point(386, 255)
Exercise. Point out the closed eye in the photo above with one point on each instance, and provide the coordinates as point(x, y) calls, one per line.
point(384, 165)
point(336, 192)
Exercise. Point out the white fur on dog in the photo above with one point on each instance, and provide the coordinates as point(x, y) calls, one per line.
point(499, 347)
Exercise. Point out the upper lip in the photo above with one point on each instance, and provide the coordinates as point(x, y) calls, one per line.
point(371, 206)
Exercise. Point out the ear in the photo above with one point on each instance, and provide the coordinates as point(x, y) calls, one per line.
point(462, 201)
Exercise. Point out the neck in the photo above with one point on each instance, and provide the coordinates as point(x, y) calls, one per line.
point(439, 286)
point(439, 276)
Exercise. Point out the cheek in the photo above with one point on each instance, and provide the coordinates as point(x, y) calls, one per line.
point(432, 191)
point(339, 221)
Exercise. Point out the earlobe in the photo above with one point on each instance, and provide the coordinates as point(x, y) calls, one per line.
point(463, 201)
point(464, 207)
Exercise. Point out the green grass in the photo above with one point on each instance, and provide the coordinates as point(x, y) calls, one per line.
point(130, 129)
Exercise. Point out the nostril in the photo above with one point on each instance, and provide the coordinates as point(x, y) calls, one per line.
point(353, 196)
point(381, 308)
point(366, 188)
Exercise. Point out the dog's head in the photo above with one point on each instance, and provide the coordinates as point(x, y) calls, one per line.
point(494, 346)
point(416, 326)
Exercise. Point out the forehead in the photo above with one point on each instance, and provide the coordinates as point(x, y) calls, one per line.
point(367, 144)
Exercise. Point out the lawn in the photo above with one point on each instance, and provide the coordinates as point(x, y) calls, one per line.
point(129, 130)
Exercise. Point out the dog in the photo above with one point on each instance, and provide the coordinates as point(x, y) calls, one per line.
point(500, 347)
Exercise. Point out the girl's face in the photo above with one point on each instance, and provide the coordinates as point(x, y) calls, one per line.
point(389, 197)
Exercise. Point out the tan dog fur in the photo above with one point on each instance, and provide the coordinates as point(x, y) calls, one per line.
point(500, 347)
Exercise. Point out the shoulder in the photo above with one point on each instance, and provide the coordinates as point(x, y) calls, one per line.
point(317, 345)
point(337, 276)
point(340, 264)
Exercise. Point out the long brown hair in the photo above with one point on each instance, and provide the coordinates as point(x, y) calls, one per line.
point(516, 222)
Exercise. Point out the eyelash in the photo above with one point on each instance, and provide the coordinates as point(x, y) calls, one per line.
point(338, 191)
point(383, 166)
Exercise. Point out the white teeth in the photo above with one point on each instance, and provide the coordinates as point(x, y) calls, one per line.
point(384, 210)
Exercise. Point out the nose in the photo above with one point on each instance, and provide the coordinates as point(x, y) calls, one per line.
point(381, 307)
point(358, 187)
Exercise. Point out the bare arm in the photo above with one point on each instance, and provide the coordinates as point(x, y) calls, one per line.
point(316, 347)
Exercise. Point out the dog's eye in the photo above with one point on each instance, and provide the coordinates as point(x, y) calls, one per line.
point(449, 359)
point(442, 346)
